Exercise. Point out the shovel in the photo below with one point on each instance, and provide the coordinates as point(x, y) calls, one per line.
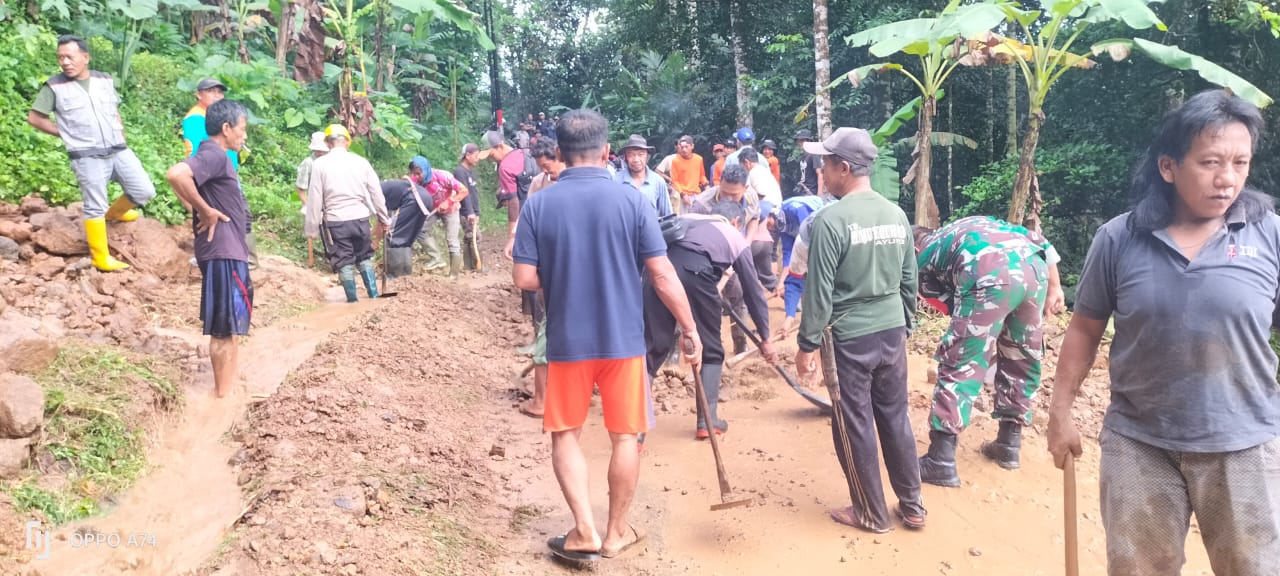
point(814, 399)
point(1069, 518)
point(386, 269)
point(727, 499)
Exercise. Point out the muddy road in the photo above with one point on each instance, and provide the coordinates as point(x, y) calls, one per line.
point(383, 439)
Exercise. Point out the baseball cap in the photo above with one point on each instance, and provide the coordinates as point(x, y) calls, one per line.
point(684, 139)
point(210, 84)
point(317, 142)
point(745, 134)
point(803, 134)
point(470, 147)
point(492, 139)
point(851, 144)
point(335, 131)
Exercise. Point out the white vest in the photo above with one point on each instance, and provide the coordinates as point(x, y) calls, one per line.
point(88, 121)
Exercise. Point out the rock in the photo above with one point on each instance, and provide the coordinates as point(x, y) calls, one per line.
point(350, 570)
point(23, 346)
point(21, 406)
point(47, 267)
point(33, 205)
point(151, 247)
point(975, 552)
point(9, 249)
point(351, 500)
point(27, 252)
point(325, 553)
point(61, 236)
point(498, 451)
point(19, 232)
point(284, 450)
point(309, 417)
point(13, 456)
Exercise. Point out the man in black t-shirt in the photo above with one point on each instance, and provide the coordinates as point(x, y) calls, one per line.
point(470, 211)
point(810, 182)
point(209, 183)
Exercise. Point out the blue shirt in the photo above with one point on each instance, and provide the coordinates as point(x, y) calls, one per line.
point(589, 237)
point(794, 212)
point(194, 132)
point(654, 189)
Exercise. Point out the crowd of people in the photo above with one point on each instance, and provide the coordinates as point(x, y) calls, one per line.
point(621, 265)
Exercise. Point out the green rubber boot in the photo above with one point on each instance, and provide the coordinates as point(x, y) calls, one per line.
point(347, 274)
point(369, 277)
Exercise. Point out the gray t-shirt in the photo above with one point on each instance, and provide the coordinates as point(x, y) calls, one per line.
point(1191, 366)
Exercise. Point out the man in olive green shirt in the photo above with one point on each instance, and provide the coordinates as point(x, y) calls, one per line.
point(861, 281)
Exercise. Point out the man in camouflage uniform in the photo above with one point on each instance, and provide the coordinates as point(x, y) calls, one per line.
point(995, 278)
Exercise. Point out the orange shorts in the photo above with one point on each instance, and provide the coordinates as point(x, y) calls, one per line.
point(622, 394)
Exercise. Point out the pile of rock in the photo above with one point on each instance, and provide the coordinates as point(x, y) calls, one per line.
point(21, 418)
point(51, 290)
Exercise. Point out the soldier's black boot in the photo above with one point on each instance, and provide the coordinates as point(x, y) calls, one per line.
point(938, 467)
point(1004, 451)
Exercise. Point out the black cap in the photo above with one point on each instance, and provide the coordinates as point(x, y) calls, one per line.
point(210, 84)
point(769, 145)
point(803, 134)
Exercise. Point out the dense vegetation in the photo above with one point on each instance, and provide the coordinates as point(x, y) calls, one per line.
point(414, 76)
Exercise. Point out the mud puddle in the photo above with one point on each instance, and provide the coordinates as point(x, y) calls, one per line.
point(177, 514)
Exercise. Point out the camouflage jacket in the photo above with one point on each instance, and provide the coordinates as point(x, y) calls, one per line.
point(976, 252)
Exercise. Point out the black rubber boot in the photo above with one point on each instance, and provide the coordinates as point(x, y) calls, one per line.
point(711, 374)
point(347, 274)
point(1004, 451)
point(938, 467)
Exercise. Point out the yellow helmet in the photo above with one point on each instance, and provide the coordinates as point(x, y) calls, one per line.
point(336, 130)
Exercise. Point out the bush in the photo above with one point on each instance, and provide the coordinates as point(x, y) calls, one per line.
point(1083, 186)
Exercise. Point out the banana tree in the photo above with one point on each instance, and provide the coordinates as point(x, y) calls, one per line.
point(884, 173)
point(1049, 54)
point(939, 44)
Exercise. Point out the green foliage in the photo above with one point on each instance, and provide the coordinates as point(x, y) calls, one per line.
point(93, 427)
point(1083, 184)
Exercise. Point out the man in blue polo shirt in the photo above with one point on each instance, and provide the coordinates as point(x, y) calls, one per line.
point(581, 241)
point(638, 175)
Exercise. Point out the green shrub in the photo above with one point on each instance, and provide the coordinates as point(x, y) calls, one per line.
point(1083, 186)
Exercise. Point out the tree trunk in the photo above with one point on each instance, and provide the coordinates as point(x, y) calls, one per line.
point(990, 140)
point(308, 64)
point(224, 29)
point(740, 63)
point(1024, 207)
point(926, 206)
point(379, 34)
point(695, 49)
point(284, 35)
point(822, 67)
point(951, 127)
point(1011, 108)
point(244, 52)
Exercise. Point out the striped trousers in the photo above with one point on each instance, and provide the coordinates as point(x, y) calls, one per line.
point(872, 371)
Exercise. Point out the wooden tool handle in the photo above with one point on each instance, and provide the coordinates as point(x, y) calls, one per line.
point(705, 412)
point(829, 375)
point(1069, 516)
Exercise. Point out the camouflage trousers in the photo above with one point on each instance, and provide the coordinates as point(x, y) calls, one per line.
point(993, 328)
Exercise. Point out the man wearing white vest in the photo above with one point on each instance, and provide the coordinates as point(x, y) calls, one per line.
point(86, 108)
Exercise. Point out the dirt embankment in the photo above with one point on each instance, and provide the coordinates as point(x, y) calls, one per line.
point(375, 456)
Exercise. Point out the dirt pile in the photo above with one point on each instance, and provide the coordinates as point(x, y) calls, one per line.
point(370, 459)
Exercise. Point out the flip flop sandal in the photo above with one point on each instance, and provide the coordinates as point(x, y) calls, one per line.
point(639, 538)
point(556, 545)
point(856, 522)
point(524, 410)
point(912, 523)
